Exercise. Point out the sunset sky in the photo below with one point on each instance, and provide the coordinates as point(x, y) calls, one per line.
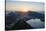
point(14, 5)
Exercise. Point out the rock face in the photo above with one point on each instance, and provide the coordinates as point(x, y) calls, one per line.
point(17, 20)
point(21, 25)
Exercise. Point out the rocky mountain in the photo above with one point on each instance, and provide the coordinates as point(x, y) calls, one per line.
point(17, 20)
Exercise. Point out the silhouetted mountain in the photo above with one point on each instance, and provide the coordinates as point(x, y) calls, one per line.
point(16, 21)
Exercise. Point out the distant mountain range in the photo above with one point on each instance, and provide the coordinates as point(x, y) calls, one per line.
point(30, 14)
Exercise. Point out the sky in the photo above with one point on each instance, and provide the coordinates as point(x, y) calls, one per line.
point(13, 5)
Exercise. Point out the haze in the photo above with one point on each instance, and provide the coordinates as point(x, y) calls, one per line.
point(12, 5)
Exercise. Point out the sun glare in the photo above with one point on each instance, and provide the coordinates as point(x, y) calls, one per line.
point(24, 9)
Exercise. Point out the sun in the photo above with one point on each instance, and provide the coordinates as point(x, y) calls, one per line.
point(24, 9)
